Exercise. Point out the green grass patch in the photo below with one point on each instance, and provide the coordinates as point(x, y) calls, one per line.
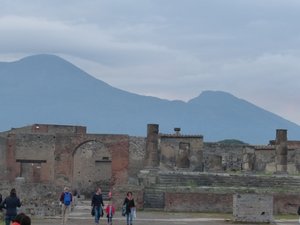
point(286, 217)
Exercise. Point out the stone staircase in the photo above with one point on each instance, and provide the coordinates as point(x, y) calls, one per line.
point(82, 210)
point(154, 198)
point(179, 181)
point(173, 179)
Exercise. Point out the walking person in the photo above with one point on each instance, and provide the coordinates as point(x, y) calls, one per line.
point(110, 211)
point(109, 195)
point(75, 197)
point(97, 205)
point(11, 203)
point(130, 207)
point(65, 200)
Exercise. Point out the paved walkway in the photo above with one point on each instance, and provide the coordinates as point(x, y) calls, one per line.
point(81, 216)
point(155, 221)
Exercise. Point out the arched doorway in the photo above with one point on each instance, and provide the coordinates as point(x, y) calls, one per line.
point(92, 167)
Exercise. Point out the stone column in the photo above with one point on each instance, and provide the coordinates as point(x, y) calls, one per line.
point(13, 168)
point(152, 155)
point(281, 151)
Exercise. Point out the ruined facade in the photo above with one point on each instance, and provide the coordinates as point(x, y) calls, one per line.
point(64, 155)
point(161, 169)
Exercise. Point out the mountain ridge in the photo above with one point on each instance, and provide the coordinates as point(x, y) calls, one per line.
point(49, 89)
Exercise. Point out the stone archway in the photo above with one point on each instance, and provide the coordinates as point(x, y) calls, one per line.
point(91, 167)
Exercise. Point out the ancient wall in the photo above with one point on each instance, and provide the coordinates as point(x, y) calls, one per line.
point(258, 159)
point(198, 202)
point(41, 156)
point(34, 157)
point(181, 152)
point(137, 152)
point(293, 161)
point(205, 199)
point(49, 129)
point(265, 159)
point(286, 203)
point(219, 157)
point(37, 199)
point(69, 157)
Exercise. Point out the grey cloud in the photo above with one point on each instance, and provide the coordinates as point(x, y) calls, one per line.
point(171, 49)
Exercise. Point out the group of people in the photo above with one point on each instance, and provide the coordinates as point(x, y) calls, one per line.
point(10, 204)
point(97, 206)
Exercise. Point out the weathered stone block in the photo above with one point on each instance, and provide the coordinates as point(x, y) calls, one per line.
point(253, 208)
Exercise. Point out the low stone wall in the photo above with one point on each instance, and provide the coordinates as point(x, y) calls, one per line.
point(285, 203)
point(213, 201)
point(198, 202)
point(37, 199)
point(212, 192)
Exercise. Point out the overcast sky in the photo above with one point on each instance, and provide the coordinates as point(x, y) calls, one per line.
point(171, 49)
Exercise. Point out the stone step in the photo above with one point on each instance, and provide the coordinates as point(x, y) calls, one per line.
point(227, 181)
point(153, 198)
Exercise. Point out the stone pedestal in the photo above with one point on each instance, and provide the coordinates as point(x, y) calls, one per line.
point(253, 208)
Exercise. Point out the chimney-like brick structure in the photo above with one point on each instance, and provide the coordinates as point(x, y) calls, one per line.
point(152, 155)
point(177, 130)
point(281, 150)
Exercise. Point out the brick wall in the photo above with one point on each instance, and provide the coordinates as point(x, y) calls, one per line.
point(198, 202)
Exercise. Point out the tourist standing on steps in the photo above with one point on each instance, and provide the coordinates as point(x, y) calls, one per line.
point(97, 204)
point(130, 207)
point(11, 203)
point(65, 201)
point(75, 196)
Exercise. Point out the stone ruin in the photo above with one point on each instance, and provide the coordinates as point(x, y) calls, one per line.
point(161, 169)
point(253, 208)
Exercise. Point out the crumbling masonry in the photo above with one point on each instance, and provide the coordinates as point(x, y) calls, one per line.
point(161, 169)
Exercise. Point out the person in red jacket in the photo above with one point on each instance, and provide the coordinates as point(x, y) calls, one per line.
point(18, 218)
point(22, 219)
point(110, 211)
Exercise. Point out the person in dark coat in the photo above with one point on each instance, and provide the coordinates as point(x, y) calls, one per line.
point(97, 205)
point(11, 203)
point(130, 207)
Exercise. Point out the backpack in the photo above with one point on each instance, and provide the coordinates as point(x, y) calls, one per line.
point(67, 198)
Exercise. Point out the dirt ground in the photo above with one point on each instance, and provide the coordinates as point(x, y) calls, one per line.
point(81, 216)
point(156, 218)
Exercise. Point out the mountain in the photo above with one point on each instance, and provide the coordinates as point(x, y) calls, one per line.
point(48, 89)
